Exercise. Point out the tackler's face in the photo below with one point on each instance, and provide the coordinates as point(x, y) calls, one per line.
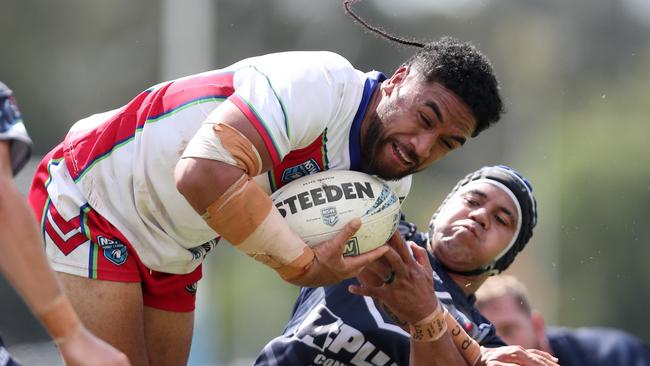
point(475, 226)
point(416, 123)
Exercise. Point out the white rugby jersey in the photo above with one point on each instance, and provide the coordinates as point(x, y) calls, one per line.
point(307, 106)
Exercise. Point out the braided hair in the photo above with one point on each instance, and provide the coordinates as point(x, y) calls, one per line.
point(459, 66)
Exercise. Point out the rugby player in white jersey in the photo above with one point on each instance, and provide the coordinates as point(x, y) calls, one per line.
point(133, 199)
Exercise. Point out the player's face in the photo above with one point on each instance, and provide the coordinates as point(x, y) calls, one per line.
point(514, 325)
point(477, 224)
point(415, 124)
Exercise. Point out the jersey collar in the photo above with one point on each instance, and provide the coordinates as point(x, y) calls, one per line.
point(373, 78)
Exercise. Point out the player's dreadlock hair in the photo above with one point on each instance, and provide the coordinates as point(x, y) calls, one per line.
point(457, 65)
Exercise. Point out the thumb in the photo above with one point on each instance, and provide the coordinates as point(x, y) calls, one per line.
point(351, 227)
point(348, 230)
point(419, 253)
point(334, 247)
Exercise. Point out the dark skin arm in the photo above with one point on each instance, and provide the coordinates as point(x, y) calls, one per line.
point(410, 298)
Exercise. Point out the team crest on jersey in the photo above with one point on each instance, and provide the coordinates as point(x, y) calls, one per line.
point(114, 250)
point(305, 168)
point(329, 215)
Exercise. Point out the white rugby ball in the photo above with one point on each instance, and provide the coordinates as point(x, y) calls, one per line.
point(317, 206)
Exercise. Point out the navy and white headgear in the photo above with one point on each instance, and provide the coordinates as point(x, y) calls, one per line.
point(520, 190)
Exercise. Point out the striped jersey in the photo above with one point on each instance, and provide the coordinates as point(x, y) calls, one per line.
point(306, 106)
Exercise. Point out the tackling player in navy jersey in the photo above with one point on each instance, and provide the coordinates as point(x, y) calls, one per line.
point(477, 232)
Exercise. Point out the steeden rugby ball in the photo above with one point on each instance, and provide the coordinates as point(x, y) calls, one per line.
point(317, 207)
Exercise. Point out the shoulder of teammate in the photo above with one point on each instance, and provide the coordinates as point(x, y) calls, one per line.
point(12, 129)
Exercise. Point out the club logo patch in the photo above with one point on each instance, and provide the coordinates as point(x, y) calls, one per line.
point(329, 215)
point(114, 250)
point(305, 168)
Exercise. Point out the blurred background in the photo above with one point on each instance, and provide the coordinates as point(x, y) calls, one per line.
point(575, 76)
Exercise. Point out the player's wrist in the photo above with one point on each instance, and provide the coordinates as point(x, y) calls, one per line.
point(60, 320)
point(298, 270)
point(430, 328)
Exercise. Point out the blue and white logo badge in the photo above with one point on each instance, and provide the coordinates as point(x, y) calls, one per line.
point(329, 215)
point(114, 250)
point(305, 168)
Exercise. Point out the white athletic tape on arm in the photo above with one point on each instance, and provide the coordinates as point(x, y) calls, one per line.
point(245, 216)
point(221, 142)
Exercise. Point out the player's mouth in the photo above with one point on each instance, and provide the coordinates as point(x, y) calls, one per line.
point(401, 155)
point(472, 228)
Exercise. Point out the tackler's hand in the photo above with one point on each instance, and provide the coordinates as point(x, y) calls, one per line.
point(330, 267)
point(407, 281)
point(515, 355)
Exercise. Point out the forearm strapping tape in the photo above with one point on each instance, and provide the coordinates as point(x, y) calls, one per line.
point(224, 143)
point(245, 216)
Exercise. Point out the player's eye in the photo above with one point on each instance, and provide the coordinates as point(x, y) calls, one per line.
point(426, 120)
point(447, 144)
point(471, 201)
point(501, 220)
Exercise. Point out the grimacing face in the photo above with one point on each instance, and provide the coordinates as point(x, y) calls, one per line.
point(415, 124)
point(514, 325)
point(475, 225)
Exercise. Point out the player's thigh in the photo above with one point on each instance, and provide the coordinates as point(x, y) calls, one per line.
point(113, 311)
point(168, 336)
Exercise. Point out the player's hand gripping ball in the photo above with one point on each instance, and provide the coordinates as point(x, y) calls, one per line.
point(317, 207)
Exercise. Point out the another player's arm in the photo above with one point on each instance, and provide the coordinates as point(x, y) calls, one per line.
point(21, 253)
point(23, 262)
point(222, 191)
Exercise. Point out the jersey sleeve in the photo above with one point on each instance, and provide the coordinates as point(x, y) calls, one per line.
point(490, 338)
point(291, 98)
point(13, 130)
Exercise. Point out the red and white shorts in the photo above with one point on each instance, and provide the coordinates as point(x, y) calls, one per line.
point(89, 246)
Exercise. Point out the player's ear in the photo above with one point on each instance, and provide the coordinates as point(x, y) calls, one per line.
point(538, 324)
point(395, 80)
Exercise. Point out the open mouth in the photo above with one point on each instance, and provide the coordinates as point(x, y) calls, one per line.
point(402, 155)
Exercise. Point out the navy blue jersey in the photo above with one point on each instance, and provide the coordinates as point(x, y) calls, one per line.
point(5, 357)
point(12, 129)
point(597, 347)
point(330, 326)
